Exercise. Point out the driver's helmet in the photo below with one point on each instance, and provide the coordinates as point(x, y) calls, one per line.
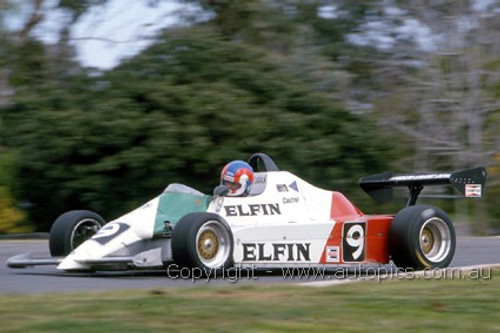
point(238, 177)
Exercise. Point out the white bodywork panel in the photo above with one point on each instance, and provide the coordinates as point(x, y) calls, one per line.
point(289, 222)
point(284, 220)
point(129, 229)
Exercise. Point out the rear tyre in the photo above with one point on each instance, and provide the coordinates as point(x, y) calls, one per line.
point(422, 237)
point(72, 229)
point(202, 240)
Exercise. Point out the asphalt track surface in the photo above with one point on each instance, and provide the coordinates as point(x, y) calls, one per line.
point(470, 251)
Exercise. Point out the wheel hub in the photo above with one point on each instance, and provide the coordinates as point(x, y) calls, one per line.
point(213, 245)
point(427, 240)
point(435, 240)
point(208, 244)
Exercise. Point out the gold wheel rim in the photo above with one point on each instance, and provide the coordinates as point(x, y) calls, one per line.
point(427, 240)
point(436, 240)
point(208, 244)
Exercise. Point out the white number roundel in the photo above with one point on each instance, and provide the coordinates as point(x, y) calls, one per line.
point(356, 239)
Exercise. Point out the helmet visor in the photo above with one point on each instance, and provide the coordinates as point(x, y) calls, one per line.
point(231, 185)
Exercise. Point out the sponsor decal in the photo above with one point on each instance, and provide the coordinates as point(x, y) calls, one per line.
point(290, 200)
point(110, 231)
point(332, 254)
point(252, 210)
point(276, 252)
point(473, 190)
point(294, 186)
point(421, 177)
point(220, 201)
point(282, 188)
point(353, 242)
point(260, 179)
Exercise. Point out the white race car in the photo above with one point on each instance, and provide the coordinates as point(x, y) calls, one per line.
point(284, 221)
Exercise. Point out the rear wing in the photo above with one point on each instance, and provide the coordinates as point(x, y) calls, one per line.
point(469, 183)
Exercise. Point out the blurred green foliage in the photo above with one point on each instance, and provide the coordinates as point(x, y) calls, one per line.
point(11, 217)
point(261, 76)
point(178, 113)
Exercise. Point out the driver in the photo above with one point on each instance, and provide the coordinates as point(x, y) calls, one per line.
point(237, 176)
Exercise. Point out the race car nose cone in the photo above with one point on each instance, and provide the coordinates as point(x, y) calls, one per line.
point(68, 264)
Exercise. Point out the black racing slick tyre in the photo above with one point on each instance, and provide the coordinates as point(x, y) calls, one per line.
point(71, 229)
point(202, 240)
point(421, 237)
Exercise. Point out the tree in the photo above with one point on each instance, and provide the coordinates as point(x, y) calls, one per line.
point(178, 113)
point(11, 217)
point(431, 77)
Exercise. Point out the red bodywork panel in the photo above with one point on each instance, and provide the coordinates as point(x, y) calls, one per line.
point(356, 237)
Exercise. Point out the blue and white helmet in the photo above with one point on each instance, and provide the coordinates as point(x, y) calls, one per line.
point(238, 177)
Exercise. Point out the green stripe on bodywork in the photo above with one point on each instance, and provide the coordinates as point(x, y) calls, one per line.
point(174, 205)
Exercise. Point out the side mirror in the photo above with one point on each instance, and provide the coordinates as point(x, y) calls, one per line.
point(221, 191)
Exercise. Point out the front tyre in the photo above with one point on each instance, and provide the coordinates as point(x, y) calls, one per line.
point(422, 237)
point(202, 240)
point(72, 229)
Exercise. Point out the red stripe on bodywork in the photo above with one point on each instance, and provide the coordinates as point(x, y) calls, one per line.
point(342, 207)
point(377, 238)
point(377, 230)
point(341, 210)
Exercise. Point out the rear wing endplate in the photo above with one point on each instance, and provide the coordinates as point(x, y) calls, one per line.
point(470, 183)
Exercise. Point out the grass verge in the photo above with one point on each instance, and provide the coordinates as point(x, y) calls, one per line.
point(444, 305)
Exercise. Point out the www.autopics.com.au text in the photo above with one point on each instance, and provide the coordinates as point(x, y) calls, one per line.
point(236, 273)
point(386, 273)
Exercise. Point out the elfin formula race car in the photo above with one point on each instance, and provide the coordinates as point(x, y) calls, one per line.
point(283, 222)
